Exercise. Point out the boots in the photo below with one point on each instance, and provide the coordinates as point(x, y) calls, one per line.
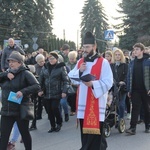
point(147, 128)
point(131, 131)
point(66, 117)
point(33, 126)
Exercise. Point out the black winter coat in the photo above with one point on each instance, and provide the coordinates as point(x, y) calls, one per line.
point(120, 72)
point(23, 81)
point(54, 82)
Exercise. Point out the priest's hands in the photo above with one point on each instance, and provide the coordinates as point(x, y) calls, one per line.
point(82, 67)
point(89, 84)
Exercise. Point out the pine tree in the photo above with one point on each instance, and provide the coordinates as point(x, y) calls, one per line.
point(94, 20)
point(23, 19)
point(136, 22)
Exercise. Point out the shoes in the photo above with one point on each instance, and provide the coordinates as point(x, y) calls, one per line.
point(58, 128)
point(128, 116)
point(66, 117)
point(147, 128)
point(52, 130)
point(32, 128)
point(72, 113)
point(131, 131)
point(21, 141)
point(10, 146)
point(140, 121)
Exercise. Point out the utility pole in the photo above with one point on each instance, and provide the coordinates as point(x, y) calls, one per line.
point(64, 36)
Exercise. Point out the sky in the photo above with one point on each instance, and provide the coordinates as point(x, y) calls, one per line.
point(67, 17)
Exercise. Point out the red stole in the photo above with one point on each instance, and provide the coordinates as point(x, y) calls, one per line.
point(91, 124)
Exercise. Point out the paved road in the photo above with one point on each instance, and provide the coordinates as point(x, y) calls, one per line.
point(69, 138)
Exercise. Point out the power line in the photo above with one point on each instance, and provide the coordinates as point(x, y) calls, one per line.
point(6, 28)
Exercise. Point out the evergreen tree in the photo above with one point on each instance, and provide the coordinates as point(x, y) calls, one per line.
point(23, 19)
point(136, 22)
point(94, 20)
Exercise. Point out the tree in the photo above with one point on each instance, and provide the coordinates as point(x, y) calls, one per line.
point(136, 22)
point(95, 20)
point(56, 43)
point(22, 19)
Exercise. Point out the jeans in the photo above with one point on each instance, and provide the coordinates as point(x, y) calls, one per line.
point(121, 105)
point(15, 133)
point(64, 105)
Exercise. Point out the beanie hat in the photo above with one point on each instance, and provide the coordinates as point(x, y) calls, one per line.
point(16, 56)
point(89, 38)
point(65, 46)
point(54, 54)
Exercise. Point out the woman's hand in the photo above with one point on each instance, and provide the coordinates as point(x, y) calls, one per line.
point(19, 94)
point(40, 93)
point(82, 67)
point(148, 93)
point(63, 95)
point(122, 83)
point(10, 76)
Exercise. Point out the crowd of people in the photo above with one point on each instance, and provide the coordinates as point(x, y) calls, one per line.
point(53, 81)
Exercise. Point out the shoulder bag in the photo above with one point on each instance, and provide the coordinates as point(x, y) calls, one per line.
point(27, 111)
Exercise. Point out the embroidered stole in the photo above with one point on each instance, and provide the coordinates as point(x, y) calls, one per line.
point(91, 124)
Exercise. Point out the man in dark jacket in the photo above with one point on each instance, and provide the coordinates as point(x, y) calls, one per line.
point(7, 51)
point(138, 85)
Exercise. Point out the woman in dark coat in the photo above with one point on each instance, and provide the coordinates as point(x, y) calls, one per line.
point(54, 82)
point(20, 80)
point(120, 69)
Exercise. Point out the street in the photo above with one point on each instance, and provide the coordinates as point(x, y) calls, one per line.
point(69, 137)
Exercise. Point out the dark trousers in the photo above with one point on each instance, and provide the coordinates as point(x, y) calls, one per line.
point(142, 113)
point(39, 107)
point(52, 106)
point(6, 127)
point(128, 105)
point(92, 141)
point(72, 102)
point(139, 98)
point(34, 99)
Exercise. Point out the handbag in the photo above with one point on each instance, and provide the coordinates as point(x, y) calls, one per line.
point(71, 90)
point(27, 111)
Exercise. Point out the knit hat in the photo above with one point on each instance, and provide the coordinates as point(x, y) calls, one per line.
point(54, 54)
point(65, 46)
point(89, 38)
point(16, 56)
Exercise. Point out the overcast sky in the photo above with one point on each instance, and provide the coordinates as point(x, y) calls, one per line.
point(67, 16)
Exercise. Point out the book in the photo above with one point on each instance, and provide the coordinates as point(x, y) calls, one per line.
point(85, 78)
point(13, 98)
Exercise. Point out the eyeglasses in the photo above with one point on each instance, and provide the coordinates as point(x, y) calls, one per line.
point(41, 62)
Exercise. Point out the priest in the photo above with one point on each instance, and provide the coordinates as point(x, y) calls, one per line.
point(92, 95)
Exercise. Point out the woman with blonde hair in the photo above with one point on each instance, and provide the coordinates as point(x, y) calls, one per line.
point(119, 69)
point(118, 56)
point(108, 56)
